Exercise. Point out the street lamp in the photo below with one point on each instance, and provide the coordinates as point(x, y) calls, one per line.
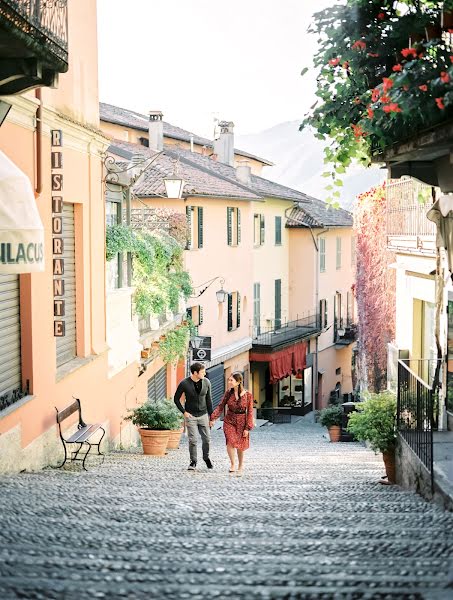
point(174, 186)
point(221, 294)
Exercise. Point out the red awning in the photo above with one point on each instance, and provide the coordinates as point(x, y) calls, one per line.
point(283, 362)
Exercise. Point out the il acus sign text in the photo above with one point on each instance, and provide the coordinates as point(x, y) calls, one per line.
point(57, 232)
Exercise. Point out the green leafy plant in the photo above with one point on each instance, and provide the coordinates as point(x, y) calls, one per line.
point(174, 346)
point(159, 415)
point(375, 421)
point(119, 238)
point(331, 416)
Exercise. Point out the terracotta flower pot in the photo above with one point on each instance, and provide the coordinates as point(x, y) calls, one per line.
point(174, 439)
point(334, 433)
point(154, 442)
point(389, 462)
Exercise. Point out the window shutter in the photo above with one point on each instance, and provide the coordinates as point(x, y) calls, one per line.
point(325, 313)
point(200, 312)
point(189, 313)
point(278, 230)
point(230, 312)
point(261, 229)
point(229, 226)
point(238, 314)
point(238, 225)
point(189, 226)
point(200, 227)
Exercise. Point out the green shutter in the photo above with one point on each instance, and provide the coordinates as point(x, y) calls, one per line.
point(261, 230)
point(278, 303)
point(229, 226)
point(230, 312)
point(278, 231)
point(200, 227)
point(189, 226)
point(238, 314)
point(239, 225)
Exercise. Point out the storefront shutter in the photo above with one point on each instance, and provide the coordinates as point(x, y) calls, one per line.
point(217, 378)
point(229, 226)
point(157, 385)
point(66, 345)
point(200, 227)
point(10, 359)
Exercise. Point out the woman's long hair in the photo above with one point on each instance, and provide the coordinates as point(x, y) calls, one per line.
point(238, 378)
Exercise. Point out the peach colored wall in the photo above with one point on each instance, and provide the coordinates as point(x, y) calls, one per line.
point(330, 360)
point(216, 258)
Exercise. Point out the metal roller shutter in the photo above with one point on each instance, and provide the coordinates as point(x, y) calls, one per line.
point(10, 359)
point(217, 378)
point(157, 385)
point(66, 345)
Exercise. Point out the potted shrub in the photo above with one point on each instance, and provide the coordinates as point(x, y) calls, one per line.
point(374, 421)
point(330, 417)
point(155, 420)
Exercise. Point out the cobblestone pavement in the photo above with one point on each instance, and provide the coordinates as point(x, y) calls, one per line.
point(308, 520)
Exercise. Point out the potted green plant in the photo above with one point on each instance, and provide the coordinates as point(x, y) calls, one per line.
point(155, 421)
point(374, 421)
point(330, 417)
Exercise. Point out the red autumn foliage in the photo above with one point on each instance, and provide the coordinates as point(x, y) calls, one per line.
point(375, 289)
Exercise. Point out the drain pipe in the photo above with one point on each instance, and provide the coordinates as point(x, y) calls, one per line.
point(38, 183)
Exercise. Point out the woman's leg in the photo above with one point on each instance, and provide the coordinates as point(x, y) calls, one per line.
point(230, 451)
point(240, 459)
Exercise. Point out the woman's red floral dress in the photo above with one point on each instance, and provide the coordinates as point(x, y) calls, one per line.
point(238, 417)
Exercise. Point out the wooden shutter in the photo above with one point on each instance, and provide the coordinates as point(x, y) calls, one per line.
point(200, 227)
point(230, 312)
point(189, 227)
point(262, 230)
point(10, 356)
point(238, 223)
point(66, 345)
point(157, 385)
point(229, 226)
point(238, 310)
point(278, 230)
point(278, 303)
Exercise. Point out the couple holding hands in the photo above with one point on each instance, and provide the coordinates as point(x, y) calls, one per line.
point(200, 416)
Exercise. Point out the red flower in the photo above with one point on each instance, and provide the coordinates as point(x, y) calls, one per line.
point(334, 62)
point(358, 131)
point(373, 54)
point(440, 103)
point(393, 107)
point(381, 16)
point(345, 65)
point(385, 99)
point(388, 84)
point(423, 88)
point(444, 76)
point(406, 52)
point(451, 59)
point(397, 67)
point(375, 95)
point(359, 45)
point(370, 112)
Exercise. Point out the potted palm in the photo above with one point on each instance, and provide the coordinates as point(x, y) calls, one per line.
point(374, 421)
point(330, 417)
point(155, 421)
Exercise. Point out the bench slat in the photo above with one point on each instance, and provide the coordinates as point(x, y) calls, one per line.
point(67, 412)
point(83, 434)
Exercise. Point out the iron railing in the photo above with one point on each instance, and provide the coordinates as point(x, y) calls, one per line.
point(149, 218)
point(288, 331)
point(408, 201)
point(41, 25)
point(415, 414)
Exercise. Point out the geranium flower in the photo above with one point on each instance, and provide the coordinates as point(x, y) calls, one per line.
point(358, 131)
point(370, 112)
point(393, 107)
point(334, 62)
point(423, 88)
point(388, 84)
point(406, 52)
point(440, 103)
point(397, 67)
point(381, 16)
point(385, 99)
point(375, 94)
point(359, 45)
point(444, 76)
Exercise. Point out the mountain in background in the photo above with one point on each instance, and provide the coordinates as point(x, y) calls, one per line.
point(299, 162)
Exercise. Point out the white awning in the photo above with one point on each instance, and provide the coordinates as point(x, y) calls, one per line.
point(21, 229)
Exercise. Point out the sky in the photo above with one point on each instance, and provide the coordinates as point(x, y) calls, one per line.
point(197, 60)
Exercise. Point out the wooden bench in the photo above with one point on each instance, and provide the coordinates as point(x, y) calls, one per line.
point(82, 436)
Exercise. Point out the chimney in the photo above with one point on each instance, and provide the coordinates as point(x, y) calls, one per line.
point(244, 172)
point(156, 130)
point(224, 146)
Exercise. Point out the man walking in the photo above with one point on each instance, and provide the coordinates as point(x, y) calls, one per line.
point(197, 411)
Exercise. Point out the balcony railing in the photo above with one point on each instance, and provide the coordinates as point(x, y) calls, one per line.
point(277, 335)
point(149, 218)
point(415, 414)
point(408, 201)
point(33, 43)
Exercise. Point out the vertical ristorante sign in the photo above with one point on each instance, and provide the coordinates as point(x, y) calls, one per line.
point(57, 232)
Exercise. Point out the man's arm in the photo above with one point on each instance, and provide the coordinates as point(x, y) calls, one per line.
point(208, 398)
point(177, 398)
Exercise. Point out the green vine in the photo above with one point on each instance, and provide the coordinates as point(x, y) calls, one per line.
point(174, 347)
point(119, 238)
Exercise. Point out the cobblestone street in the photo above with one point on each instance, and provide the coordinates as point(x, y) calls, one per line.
point(309, 519)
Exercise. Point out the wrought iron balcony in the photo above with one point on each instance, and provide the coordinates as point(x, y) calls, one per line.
point(345, 335)
point(33, 43)
point(277, 335)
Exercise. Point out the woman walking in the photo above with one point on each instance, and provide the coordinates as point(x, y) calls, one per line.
point(238, 420)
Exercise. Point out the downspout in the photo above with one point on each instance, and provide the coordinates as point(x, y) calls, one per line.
point(38, 183)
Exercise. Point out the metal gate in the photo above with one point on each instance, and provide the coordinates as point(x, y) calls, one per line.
point(157, 385)
point(10, 358)
point(217, 378)
point(66, 345)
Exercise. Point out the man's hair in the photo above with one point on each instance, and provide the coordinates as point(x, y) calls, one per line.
point(196, 368)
